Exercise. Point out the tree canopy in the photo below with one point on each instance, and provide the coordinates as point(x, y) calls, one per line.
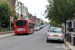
point(60, 10)
point(5, 13)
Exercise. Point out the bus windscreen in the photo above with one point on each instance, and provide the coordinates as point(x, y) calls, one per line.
point(21, 23)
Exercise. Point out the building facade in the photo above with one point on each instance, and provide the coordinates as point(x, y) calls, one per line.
point(21, 10)
point(11, 4)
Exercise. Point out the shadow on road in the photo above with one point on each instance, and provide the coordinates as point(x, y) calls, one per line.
point(55, 41)
point(21, 34)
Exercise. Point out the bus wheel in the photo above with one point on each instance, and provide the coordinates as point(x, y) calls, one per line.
point(16, 34)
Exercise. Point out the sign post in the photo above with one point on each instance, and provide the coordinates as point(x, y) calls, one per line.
point(11, 19)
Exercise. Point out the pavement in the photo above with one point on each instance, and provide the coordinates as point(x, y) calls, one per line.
point(70, 45)
point(6, 35)
point(35, 41)
point(6, 32)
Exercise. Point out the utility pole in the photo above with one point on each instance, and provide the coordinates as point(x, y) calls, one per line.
point(41, 17)
point(22, 10)
point(27, 12)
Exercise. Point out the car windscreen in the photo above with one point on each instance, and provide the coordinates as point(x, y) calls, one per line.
point(55, 30)
point(21, 23)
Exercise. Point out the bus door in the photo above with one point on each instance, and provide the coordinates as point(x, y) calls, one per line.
point(31, 27)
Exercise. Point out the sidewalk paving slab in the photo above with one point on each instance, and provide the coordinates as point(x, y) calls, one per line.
point(6, 35)
point(70, 45)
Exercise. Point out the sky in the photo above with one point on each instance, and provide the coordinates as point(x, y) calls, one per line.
point(36, 7)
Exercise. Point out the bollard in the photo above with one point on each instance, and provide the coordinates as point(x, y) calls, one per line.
point(67, 37)
point(74, 39)
point(70, 37)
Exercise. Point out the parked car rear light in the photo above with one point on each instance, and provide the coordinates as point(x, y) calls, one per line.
point(62, 35)
point(48, 35)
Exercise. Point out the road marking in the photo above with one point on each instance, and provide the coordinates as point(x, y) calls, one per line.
point(64, 46)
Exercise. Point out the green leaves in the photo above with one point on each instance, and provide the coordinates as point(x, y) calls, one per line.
point(16, 17)
point(5, 13)
point(60, 10)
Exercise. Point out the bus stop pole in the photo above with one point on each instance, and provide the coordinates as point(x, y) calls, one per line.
point(10, 23)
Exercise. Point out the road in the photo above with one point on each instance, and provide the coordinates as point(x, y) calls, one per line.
point(35, 41)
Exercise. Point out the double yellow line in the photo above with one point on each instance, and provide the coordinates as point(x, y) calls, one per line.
point(64, 46)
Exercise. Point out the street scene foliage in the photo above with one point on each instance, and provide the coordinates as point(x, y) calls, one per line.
point(16, 17)
point(5, 13)
point(59, 11)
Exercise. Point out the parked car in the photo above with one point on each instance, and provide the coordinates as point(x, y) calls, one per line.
point(40, 27)
point(43, 25)
point(37, 28)
point(55, 33)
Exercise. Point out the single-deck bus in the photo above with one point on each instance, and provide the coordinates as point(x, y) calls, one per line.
point(23, 26)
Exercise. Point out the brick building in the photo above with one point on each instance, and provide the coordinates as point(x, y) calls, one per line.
point(11, 3)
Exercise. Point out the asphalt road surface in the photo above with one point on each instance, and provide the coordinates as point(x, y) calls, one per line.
point(35, 41)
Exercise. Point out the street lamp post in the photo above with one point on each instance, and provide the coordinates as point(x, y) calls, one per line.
point(22, 10)
point(27, 12)
point(41, 17)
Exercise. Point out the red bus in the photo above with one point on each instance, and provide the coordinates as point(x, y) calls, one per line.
point(23, 26)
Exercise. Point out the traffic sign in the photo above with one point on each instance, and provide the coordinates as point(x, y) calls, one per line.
point(11, 18)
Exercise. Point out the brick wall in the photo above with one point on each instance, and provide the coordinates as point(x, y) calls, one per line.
point(11, 3)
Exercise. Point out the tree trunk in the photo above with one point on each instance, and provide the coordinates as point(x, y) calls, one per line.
point(65, 29)
point(60, 24)
point(0, 22)
point(65, 26)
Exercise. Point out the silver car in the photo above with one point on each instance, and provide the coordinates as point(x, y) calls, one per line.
point(37, 28)
point(55, 33)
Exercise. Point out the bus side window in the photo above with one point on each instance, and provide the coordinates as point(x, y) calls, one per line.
point(30, 25)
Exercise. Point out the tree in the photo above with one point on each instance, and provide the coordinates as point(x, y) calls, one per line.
point(16, 17)
point(53, 11)
point(53, 23)
point(5, 13)
point(60, 10)
point(42, 23)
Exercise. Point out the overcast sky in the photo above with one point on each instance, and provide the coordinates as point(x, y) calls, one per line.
point(36, 7)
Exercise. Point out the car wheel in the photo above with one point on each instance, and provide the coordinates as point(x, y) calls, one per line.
point(63, 41)
point(47, 40)
point(16, 34)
